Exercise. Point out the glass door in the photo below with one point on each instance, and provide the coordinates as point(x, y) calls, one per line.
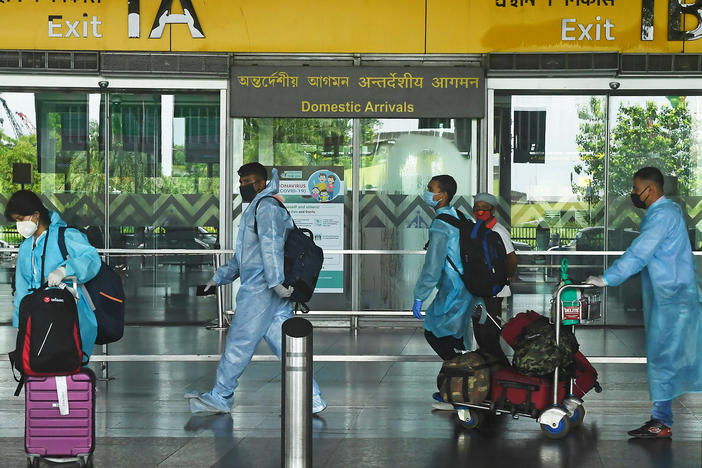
point(660, 131)
point(164, 194)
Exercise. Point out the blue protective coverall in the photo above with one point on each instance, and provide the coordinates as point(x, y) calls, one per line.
point(450, 312)
point(83, 263)
point(260, 312)
point(672, 313)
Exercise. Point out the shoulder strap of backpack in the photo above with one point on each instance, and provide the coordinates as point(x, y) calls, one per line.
point(64, 254)
point(477, 228)
point(43, 254)
point(448, 219)
point(62, 242)
point(455, 222)
point(279, 203)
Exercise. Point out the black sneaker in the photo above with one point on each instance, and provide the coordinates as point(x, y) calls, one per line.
point(653, 429)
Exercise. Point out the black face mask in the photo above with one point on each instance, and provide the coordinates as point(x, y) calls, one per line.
point(248, 192)
point(636, 199)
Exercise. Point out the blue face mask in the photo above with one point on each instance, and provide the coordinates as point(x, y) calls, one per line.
point(429, 199)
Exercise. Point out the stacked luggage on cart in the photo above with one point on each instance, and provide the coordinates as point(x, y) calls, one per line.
point(547, 378)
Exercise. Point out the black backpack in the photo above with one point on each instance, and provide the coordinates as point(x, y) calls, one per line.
point(303, 261)
point(483, 256)
point(105, 295)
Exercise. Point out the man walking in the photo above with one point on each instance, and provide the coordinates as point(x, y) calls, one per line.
point(672, 315)
point(262, 303)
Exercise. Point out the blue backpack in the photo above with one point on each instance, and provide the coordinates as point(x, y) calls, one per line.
point(105, 296)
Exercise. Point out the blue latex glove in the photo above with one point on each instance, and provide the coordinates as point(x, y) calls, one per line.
point(417, 309)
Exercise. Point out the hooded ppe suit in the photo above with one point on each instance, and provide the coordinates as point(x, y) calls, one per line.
point(672, 314)
point(83, 263)
point(260, 312)
point(450, 312)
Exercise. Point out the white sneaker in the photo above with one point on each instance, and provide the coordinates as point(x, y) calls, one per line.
point(442, 406)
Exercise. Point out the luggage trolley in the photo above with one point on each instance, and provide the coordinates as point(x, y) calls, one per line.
point(567, 413)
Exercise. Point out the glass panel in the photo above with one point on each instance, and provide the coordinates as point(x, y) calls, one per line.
point(318, 152)
point(164, 194)
point(398, 158)
point(547, 168)
point(659, 131)
point(57, 135)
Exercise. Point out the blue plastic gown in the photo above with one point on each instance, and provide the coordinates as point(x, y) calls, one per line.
point(84, 263)
point(672, 313)
point(260, 312)
point(450, 312)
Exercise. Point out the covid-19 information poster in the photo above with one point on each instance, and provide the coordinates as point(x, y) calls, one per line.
point(314, 196)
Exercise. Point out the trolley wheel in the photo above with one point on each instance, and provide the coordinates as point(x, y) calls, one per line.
point(32, 462)
point(578, 415)
point(470, 419)
point(557, 432)
point(85, 461)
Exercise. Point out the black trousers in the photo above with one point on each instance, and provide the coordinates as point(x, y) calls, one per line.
point(445, 346)
point(487, 335)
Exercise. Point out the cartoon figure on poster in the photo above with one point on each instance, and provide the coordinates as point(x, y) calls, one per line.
point(324, 186)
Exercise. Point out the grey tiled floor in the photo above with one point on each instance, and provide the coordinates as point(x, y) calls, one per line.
point(379, 413)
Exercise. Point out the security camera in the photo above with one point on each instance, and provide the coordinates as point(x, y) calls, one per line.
point(614, 84)
point(103, 84)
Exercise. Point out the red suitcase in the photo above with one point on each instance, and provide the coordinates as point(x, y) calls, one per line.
point(50, 434)
point(585, 376)
point(523, 394)
point(513, 328)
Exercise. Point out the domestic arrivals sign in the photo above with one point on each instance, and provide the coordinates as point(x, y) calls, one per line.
point(404, 92)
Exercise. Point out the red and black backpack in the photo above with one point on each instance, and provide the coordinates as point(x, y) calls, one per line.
point(48, 337)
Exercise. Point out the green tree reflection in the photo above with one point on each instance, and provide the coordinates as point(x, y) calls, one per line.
point(649, 134)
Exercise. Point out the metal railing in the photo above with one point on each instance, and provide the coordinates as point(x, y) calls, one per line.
point(105, 357)
point(317, 358)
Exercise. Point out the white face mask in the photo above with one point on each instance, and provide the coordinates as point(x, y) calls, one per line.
point(27, 228)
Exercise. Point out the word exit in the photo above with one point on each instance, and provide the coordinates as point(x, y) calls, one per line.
point(58, 27)
point(571, 30)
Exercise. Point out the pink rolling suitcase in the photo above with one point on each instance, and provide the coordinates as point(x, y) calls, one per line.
point(48, 433)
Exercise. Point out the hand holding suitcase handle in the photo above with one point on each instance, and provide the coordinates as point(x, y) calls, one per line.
point(73, 290)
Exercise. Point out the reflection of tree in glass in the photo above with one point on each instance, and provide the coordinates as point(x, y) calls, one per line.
point(20, 150)
point(141, 172)
point(302, 142)
point(648, 135)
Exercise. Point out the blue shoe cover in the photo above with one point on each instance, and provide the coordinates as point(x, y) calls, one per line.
point(437, 396)
point(207, 403)
point(318, 404)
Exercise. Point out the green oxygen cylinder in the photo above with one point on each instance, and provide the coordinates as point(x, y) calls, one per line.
point(570, 299)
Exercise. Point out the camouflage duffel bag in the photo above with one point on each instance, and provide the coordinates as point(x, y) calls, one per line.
point(465, 379)
point(536, 353)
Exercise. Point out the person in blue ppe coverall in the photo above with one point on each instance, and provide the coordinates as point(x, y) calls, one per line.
point(447, 324)
point(672, 313)
point(262, 302)
point(38, 226)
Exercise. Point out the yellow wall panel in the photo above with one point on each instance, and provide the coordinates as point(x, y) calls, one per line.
point(26, 25)
point(348, 26)
point(368, 26)
point(311, 26)
point(481, 26)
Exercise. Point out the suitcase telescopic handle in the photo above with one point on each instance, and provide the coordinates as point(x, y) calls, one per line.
point(74, 290)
